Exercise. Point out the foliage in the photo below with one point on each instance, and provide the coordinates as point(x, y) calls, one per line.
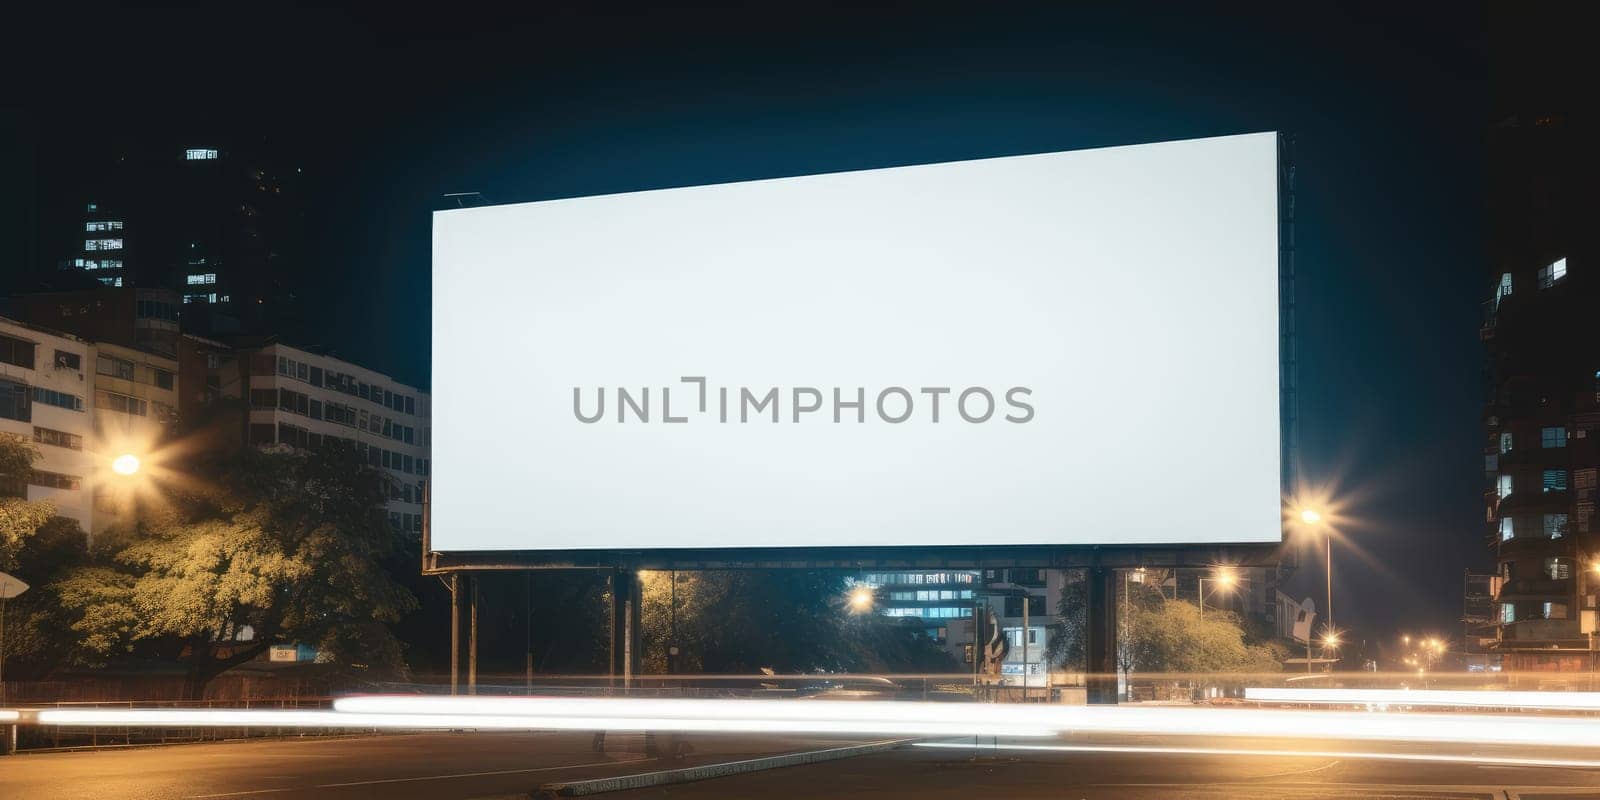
point(1157, 634)
point(789, 621)
point(19, 519)
point(285, 546)
point(34, 645)
point(1174, 636)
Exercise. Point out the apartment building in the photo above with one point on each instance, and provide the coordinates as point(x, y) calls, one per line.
point(302, 399)
point(46, 389)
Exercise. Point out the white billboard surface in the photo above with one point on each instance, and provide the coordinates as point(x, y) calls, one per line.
point(1066, 348)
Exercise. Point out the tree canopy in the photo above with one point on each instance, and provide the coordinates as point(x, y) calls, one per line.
point(280, 546)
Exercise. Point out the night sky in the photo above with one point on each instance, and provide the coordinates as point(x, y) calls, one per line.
point(392, 110)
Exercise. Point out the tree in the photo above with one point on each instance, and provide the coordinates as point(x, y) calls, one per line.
point(787, 620)
point(19, 518)
point(1174, 636)
point(37, 546)
point(283, 546)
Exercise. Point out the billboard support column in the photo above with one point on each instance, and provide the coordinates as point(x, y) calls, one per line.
point(624, 612)
point(455, 633)
point(472, 635)
point(1101, 633)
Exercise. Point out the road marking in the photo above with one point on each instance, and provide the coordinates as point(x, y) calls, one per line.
point(480, 774)
point(237, 794)
point(1509, 761)
point(422, 778)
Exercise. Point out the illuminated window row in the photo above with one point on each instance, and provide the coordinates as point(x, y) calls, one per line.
point(936, 612)
point(102, 244)
point(929, 595)
point(102, 226)
point(203, 279)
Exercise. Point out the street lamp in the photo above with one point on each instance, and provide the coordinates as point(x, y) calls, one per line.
point(861, 598)
point(125, 464)
point(1316, 519)
point(1225, 578)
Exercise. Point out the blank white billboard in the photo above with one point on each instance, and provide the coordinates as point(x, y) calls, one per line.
point(1066, 348)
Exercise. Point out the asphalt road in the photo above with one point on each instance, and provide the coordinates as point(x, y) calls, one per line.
point(392, 767)
point(477, 765)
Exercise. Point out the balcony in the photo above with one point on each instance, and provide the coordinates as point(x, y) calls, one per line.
point(1540, 630)
point(1536, 589)
point(1535, 545)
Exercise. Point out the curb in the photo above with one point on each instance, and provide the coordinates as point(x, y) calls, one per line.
point(670, 776)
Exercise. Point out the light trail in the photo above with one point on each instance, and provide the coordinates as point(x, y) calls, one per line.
point(266, 718)
point(1548, 701)
point(1500, 761)
point(8, 716)
point(868, 717)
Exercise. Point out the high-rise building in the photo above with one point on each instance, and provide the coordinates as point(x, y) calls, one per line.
point(1542, 413)
point(214, 223)
point(102, 247)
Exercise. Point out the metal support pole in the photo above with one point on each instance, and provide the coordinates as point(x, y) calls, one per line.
point(624, 599)
point(527, 634)
point(1102, 637)
point(627, 644)
point(1026, 597)
point(472, 637)
point(1327, 536)
point(455, 633)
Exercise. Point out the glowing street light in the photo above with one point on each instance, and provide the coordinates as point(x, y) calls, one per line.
point(1225, 579)
point(1310, 516)
point(125, 464)
point(861, 598)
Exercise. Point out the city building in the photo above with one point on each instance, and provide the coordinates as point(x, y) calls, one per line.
point(134, 410)
point(101, 248)
point(302, 399)
point(214, 223)
point(143, 318)
point(1542, 414)
point(46, 391)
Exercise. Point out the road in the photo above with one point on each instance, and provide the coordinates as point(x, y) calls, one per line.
point(393, 767)
point(477, 765)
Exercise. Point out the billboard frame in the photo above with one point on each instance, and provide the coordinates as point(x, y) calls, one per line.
point(915, 557)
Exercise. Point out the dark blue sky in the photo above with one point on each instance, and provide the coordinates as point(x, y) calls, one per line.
point(1387, 109)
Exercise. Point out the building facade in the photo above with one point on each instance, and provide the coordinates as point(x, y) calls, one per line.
point(46, 388)
point(303, 399)
point(1542, 413)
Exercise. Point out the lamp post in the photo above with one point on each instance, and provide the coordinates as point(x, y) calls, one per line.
point(1313, 518)
point(1224, 578)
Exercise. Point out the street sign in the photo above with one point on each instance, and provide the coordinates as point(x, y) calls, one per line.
point(11, 586)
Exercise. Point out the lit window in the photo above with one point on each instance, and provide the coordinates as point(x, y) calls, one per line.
point(204, 278)
point(1552, 274)
point(199, 154)
point(1508, 613)
point(1504, 289)
point(1555, 480)
point(111, 281)
point(1555, 610)
point(1555, 525)
point(1553, 437)
point(1505, 442)
point(102, 244)
point(1504, 486)
point(1558, 568)
point(1507, 529)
